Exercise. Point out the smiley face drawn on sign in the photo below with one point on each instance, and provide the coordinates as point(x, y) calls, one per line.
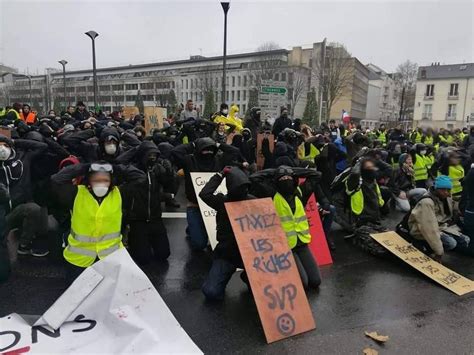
point(285, 324)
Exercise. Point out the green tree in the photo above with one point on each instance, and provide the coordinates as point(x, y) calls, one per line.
point(209, 105)
point(139, 102)
point(172, 102)
point(310, 115)
point(253, 100)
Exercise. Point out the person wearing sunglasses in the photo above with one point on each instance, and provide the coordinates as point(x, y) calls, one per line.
point(96, 211)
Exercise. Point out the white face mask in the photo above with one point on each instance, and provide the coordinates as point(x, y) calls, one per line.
point(225, 112)
point(100, 190)
point(5, 152)
point(110, 149)
point(423, 152)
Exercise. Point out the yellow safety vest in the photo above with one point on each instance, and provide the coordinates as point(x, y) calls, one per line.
point(313, 152)
point(382, 138)
point(429, 161)
point(394, 163)
point(429, 140)
point(357, 199)
point(418, 137)
point(295, 225)
point(456, 174)
point(421, 173)
point(16, 113)
point(450, 139)
point(95, 229)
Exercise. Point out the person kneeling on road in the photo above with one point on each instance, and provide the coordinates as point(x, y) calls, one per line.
point(96, 212)
point(431, 220)
point(290, 208)
point(226, 254)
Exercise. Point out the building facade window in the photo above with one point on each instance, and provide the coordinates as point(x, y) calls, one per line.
point(238, 95)
point(453, 89)
point(451, 114)
point(131, 97)
point(429, 90)
point(131, 86)
point(245, 95)
point(233, 81)
point(117, 87)
point(239, 81)
point(427, 112)
point(147, 86)
point(245, 80)
point(233, 95)
point(283, 76)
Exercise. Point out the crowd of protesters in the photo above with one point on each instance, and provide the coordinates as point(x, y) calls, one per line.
point(72, 184)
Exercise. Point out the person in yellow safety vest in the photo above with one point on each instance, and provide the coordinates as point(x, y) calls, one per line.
point(382, 135)
point(290, 208)
point(307, 152)
point(416, 136)
point(450, 165)
point(458, 137)
point(418, 153)
point(364, 192)
point(13, 114)
point(96, 212)
point(429, 159)
point(428, 138)
point(231, 118)
point(394, 155)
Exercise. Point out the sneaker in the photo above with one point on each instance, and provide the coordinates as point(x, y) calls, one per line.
point(39, 252)
point(24, 249)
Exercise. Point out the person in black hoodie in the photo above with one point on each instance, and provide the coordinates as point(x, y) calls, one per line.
point(142, 203)
point(108, 148)
point(226, 254)
point(200, 156)
point(253, 123)
point(17, 158)
point(281, 122)
point(81, 113)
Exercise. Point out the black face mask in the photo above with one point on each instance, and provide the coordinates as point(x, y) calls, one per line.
point(368, 174)
point(206, 157)
point(239, 194)
point(285, 187)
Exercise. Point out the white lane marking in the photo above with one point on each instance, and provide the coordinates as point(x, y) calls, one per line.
point(173, 215)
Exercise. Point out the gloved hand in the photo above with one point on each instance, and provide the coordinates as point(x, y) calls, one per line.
point(226, 170)
point(356, 168)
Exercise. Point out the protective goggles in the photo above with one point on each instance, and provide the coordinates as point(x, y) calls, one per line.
point(101, 168)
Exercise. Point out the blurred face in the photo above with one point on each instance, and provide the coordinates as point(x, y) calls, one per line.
point(443, 194)
point(369, 166)
point(409, 161)
point(189, 106)
point(454, 161)
point(26, 109)
point(70, 110)
point(101, 179)
point(52, 113)
point(221, 128)
point(81, 108)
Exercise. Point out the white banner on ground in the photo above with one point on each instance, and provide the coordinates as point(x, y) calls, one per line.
point(112, 308)
point(208, 214)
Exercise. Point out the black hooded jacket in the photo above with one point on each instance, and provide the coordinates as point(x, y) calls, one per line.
point(142, 201)
point(236, 180)
point(16, 171)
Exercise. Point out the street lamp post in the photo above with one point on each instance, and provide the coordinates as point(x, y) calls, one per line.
point(31, 95)
point(63, 63)
point(93, 35)
point(225, 7)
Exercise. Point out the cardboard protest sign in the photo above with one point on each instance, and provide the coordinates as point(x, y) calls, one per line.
point(276, 284)
point(129, 111)
point(260, 157)
point(154, 118)
point(423, 263)
point(319, 245)
point(112, 308)
point(208, 214)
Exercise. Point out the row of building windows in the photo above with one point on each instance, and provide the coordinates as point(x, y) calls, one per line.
point(231, 95)
point(453, 90)
point(118, 87)
point(451, 112)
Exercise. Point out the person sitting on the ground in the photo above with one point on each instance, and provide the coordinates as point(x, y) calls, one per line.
point(431, 220)
point(289, 205)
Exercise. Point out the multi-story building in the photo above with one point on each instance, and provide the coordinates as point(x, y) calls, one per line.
point(445, 96)
point(155, 83)
point(382, 98)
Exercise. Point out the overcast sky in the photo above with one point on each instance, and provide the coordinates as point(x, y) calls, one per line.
point(36, 34)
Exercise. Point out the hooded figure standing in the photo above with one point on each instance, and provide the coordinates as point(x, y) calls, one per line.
point(226, 254)
point(143, 205)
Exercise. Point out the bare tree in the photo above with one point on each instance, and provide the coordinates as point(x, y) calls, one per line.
point(406, 77)
point(5, 95)
point(333, 73)
point(117, 98)
point(267, 65)
point(207, 85)
point(296, 87)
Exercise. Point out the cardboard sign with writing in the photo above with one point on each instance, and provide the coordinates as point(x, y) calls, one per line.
point(129, 111)
point(260, 157)
point(208, 214)
point(319, 245)
point(5, 132)
point(276, 284)
point(423, 263)
point(154, 118)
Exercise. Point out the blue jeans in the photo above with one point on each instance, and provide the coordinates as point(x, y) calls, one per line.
point(217, 279)
point(451, 241)
point(196, 229)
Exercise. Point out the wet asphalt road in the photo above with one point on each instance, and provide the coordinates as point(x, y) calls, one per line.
point(358, 293)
